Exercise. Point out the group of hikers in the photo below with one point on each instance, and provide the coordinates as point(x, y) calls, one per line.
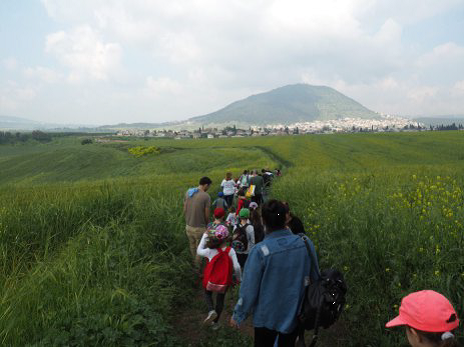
point(262, 246)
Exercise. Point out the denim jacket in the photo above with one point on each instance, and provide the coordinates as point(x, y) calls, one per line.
point(276, 273)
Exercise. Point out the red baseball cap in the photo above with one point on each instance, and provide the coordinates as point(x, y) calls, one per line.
point(219, 212)
point(428, 311)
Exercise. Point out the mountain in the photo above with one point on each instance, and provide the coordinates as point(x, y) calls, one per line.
point(288, 104)
point(9, 123)
point(16, 123)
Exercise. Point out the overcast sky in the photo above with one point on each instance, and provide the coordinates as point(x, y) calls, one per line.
point(104, 62)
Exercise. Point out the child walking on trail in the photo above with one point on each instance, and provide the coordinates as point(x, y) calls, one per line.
point(218, 274)
point(219, 214)
point(231, 217)
point(220, 202)
point(243, 238)
point(429, 318)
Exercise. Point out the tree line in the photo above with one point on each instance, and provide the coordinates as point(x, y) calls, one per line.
point(7, 137)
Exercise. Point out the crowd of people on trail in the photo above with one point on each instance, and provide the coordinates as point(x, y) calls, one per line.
point(259, 244)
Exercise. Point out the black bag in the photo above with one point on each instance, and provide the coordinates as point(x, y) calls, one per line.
point(323, 302)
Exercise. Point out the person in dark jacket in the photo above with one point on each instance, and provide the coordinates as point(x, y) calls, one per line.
point(293, 222)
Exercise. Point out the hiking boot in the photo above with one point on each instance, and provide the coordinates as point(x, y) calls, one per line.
point(212, 315)
point(215, 326)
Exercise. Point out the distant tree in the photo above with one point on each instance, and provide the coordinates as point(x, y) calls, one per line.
point(41, 136)
point(86, 141)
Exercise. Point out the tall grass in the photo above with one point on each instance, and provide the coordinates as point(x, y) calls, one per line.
point(391, 231)
point(86, 262)
point(100, 267)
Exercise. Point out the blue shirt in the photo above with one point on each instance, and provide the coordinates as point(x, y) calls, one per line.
point(275, 275)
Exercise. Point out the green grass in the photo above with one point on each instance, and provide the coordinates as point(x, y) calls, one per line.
point(93, 252)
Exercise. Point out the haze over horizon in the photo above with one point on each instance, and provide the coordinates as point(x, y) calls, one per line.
point(107, 62)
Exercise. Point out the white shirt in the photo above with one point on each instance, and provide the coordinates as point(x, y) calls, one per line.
point(228, 187)
point(209, 253)
point(232, 218)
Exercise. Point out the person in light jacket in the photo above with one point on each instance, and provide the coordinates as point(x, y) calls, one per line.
point(273, 284)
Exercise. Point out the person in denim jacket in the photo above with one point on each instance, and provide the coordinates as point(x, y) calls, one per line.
point(273, 284)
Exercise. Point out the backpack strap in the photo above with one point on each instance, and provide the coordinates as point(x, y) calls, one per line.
point(301, 330)
point(311, 255)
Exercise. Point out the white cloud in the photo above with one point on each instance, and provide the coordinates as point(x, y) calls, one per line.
point(162, 85)
point(10, 63)
point(13, 95)
point(84, 53)
point(43, 74)
point(443, 54)
point(207, 53)
point(458, 89)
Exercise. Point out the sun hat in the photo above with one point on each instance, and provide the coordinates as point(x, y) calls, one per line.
point(426, 310)
point(220, 194)
point(253, 205)
point(244, 213)
point(220, 232)
point(219, 212)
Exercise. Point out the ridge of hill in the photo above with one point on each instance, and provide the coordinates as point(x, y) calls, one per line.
point(289, 104)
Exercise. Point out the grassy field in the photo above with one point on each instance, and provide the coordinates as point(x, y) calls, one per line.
point(92, 249)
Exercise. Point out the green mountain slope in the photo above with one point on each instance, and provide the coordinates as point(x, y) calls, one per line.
point(289, 104)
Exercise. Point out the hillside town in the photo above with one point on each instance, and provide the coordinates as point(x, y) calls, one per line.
point(385, 123)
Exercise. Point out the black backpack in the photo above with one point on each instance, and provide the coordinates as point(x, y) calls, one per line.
point(323, 302)
point(240, 238)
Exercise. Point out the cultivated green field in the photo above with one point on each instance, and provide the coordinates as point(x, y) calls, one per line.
point(92, 249)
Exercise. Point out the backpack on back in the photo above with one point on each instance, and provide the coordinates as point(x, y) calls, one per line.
point(218, 272)
point(323, 302)
point(240, 238)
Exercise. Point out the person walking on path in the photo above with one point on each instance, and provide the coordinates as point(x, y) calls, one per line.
point(268, 176)
point(228, 188)
point(243, 239)
point(220, 202)
point(293, 222)
point(255, 219)
point(217, 277)
point(258, 182)
point(197, 204)
point(244, 180)
point(219, 215)
point(429, 319)
point(274, 281)
point(231, 219)
point(242, 201)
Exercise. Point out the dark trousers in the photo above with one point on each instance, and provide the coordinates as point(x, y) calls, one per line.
point(242, 259)
point(258, 198)
point(229, 199)
point(266, 338)
point(219, 302)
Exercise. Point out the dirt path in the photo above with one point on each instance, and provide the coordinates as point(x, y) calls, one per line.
point(189, 321)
